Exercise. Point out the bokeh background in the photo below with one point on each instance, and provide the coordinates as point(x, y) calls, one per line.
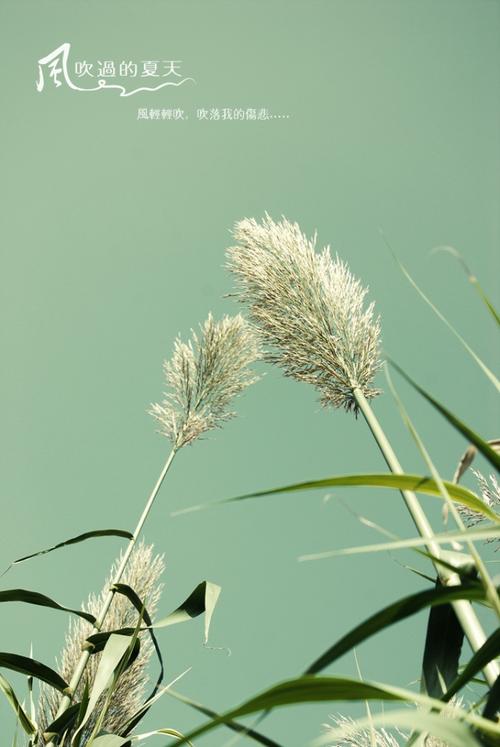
point(113, 238)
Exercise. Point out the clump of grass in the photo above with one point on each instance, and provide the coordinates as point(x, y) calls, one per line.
point(143, 574)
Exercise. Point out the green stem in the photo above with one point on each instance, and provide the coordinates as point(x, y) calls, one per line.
point(463, 609)
point(82, 663)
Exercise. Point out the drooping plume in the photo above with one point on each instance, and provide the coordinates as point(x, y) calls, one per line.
point(309, 309)
point(203, 376)
point(143, 575)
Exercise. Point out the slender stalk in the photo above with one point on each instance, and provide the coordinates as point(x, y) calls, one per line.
point(463, 609)
point(82, 663)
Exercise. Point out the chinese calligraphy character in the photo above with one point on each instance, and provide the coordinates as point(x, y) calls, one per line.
point(142, 114)
point(150, 69)
point(128, 69)
point(202, 113)
point(172, 67)
point(107, 69)
point(82, 67)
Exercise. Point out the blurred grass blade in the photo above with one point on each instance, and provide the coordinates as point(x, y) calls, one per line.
point(307, 689)
point(443, 646)
point(472, 280)
point(493, 703)
point(33, 597)
point(447, 731)
point(202, 600)
point(22, 717)
point(110, 740)
point(395, 612)
point(32, 668)
point(73, 541)
point(471, 535)
point(490, 454)
point(491, 376)
point(234, 725)
point(488, 651)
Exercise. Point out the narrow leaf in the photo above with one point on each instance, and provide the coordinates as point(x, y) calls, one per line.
point(22, 717)
point(399, 610)
point(73, 541)
point(33, 597)
point(32, 668)
point(234, 725)
point(469, 535)
point(488, 651)
point(321, 689)
point(490, 454)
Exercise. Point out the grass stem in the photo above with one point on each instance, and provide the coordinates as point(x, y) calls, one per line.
point(463, 609)
point(82, 663)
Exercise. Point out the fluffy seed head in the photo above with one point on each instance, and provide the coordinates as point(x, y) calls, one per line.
point(143, 575)
point(363, 738)
point(309, 309)
point(203, 376)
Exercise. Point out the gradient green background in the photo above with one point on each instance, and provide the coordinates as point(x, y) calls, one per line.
point(113, 238)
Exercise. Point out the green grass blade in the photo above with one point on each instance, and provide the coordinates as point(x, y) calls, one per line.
point(32, 668)
point(33, 597)
point(417, 483)
point(443, 646)
point(490, 454)
point(310, 689)
point(471, 535)
point(472, 280)
point(22, 717)
point(202, 600)
point(73, 541)
point(490, 375)
point(234, 725)
point(395, 612)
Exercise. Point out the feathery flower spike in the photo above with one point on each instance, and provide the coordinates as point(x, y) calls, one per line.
point(309, 309)
point(203, 376)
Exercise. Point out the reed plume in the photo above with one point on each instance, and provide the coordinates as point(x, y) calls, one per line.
point(309, 309)
point(143, 574)
point(203, 376)
point(489, 493)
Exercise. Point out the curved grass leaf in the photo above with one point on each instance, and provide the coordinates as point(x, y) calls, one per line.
point(470, 535)
point(483, 446)
point(450, 731)
point(417, 483)
point(22, 717)
point(202, 600)
point(309, 689)
point(491, 376)
point(73, 541)
point(472, 280)
point(32, 668)
point(234, 725)
point(394, 613)
point(33, 597)
point(488, 651)
point(110, 740)
point(135, 600)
